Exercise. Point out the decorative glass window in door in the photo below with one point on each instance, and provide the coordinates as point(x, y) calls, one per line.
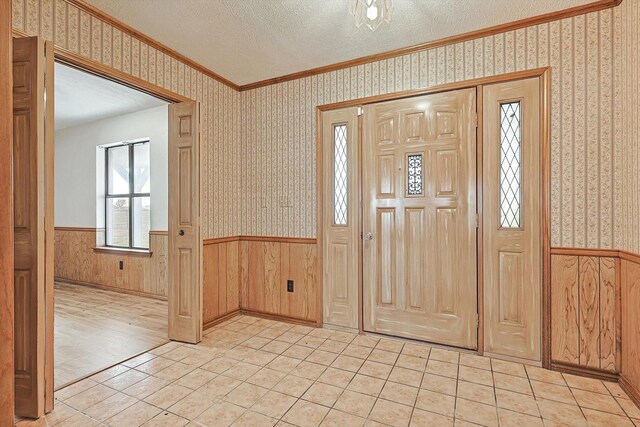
point(340, 193)
point(510, 165)
point(414, 174)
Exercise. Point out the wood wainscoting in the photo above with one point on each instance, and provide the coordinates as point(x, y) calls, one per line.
point(77, 262)
point(250, 274)
point(595, 301)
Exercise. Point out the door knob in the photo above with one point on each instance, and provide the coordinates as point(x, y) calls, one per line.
point(181, 232)
point(368, 236)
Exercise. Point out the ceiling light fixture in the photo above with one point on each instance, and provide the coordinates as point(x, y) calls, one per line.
point(371, 12)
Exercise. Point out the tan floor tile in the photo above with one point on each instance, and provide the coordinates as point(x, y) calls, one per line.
point(588, 384)
point(193, 405)
point(306, 414)
point(290, 337)
point(444, 369)
point(375, 369)
point(347, 363)
point(168, 396)
point(175, 371)
point(134, 415)
point(333, 346)
point(475, 412)
point(517, 402)
point(355, 403)
point(337, 418)
point(274, 404)
point(383, 356)
point(475, 375)
point(391, 413)
point(277, 347)
point(219, 386)
point(560, 412)
point(321, 333)
point(509, 368)
point(74, 389)
point(629, 407)
point(79, 420)
point(166, 419)
point(240, 353)
point(411, 362)
point(220, 414)
point(59, 414)
point(405, 376)
point(477, 392)
point(606, 419)
point(552, 392)
point(323, 394)
point(219, 364)
point(242, 371)
point(90, 397)
point(367, 385)
point(126, 379)
point(312, 342)
point(422, 418)
point(196, 379)
point(336, 377)
point(283, 364)
point(146, 387)
point(615, 389)
point(342, 336)
point(293, 386)
point(155, 365)
point(390, 345)
point(365, 341)
point(256, 342)
point(475, 361)
point(260, 358)
point(442, 404)
point(416, 350)
point(266, 377)
point(322, 357)
point(512, 383)
point(110, 373)
point(298, 352)
point(308, 370)
point(600, 402)
point(439, 384)
point(449, 356)
point(358, 351)
point(399, 393)
point(254, 419)
point(110, 406)
point(514, 419)
point(545, 375)
point(245, 395)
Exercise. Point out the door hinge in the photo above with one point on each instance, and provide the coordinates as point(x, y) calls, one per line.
point(476, 120)
point(360, 111)
point(477, 220)
point(477, 321)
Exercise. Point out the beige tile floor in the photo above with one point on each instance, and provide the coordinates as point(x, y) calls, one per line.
point(256, 372)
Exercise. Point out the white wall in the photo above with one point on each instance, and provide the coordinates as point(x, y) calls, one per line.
point(76, 170)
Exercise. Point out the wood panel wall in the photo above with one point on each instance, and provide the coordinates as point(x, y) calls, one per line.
point(630, 316)
point(584, 292)
point(250, 274)
point(77, 262)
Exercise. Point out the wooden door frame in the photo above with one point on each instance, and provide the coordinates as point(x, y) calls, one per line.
point(544, 75)
point(74, 60)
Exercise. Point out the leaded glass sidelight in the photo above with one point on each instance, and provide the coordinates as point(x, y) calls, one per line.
point(510, 164)
point(414, 174)
point(340, 174)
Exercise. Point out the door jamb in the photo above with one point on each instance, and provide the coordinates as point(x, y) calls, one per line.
point(544, 75)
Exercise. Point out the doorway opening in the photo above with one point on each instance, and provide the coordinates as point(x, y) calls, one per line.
point(111, 222)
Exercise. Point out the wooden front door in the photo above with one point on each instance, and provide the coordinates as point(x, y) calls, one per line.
point(33, 225)
point(419, 218)
point(511, 219)
point(185, 243)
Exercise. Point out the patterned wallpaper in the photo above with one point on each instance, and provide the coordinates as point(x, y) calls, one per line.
point(258, 174)
point(81, 33)
point(278, 124)
point(630, 183)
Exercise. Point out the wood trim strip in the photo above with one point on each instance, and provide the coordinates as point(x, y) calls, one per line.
point(158, 233)
point(94, 11)
point(288, 319)
point(632, 391)
point(545, 208)
point(211, 323)
point(109, 288)
point(584, 371)
point(586, 252)
point(299, 240)
point(485, 32)
point(465, 84)
point(630, 256)
point(79, 229)
point(122, 252)
point(7, 404)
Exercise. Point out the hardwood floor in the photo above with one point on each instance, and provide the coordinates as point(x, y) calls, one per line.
point(96, 329)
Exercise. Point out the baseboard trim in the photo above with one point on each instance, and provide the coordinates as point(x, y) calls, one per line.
point(584, 371)
point(632, 391)
point(110, 288)
point(280, 318)
point(213, 322)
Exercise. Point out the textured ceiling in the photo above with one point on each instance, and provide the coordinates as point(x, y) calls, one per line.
point(250, 40)
point(82, 98)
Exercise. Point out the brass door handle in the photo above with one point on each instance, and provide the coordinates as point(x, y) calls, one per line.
point(181, 233)
point(368, 236)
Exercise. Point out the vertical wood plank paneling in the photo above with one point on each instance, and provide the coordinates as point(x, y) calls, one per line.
point(233, 268)
point(256, 279)
point(589, 312)
point(271, 277)
point(630, 360)
point(607, 314)
point(564, 309)
point(222, 278)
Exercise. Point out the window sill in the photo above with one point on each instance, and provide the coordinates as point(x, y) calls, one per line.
point(123, 251)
